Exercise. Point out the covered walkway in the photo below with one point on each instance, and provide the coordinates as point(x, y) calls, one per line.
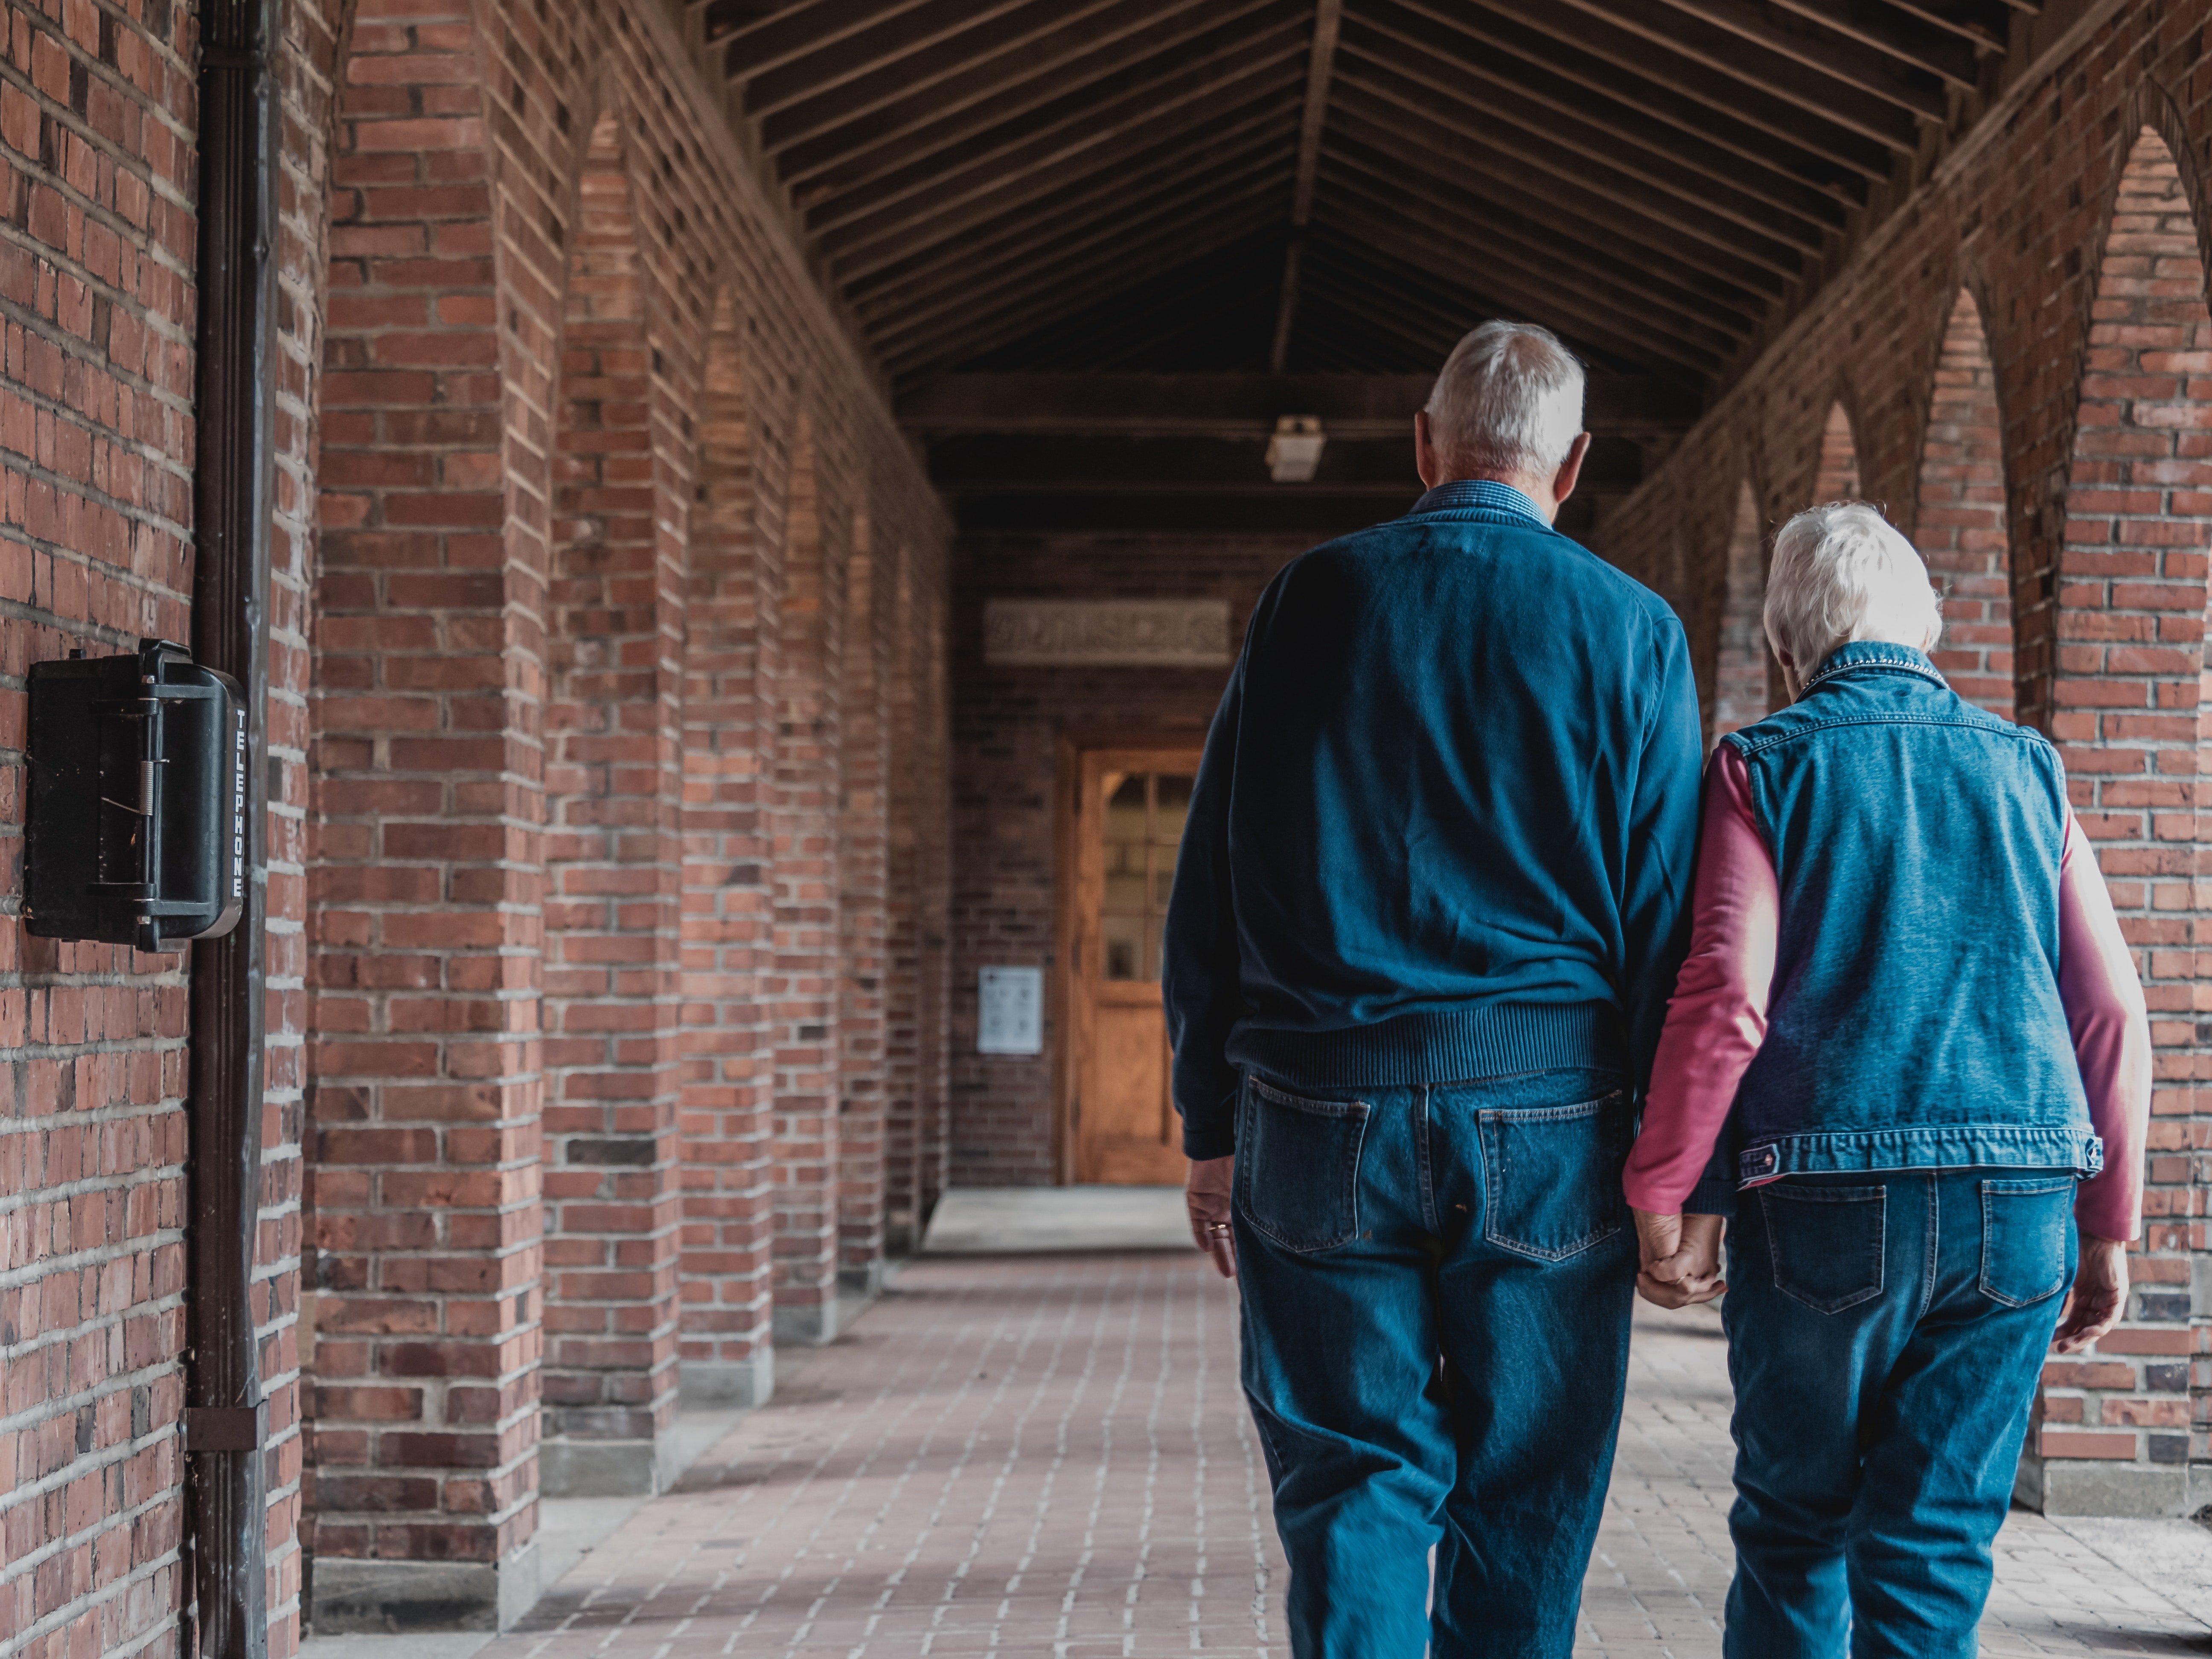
point(1048, 1455)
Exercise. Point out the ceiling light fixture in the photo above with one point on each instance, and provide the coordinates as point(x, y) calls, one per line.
point(1294, 453)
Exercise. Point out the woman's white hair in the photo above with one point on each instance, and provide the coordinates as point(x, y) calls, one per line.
point(1842, 573)
point(1509, 400)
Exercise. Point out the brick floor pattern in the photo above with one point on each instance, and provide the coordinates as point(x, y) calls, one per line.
point(1050, 1455)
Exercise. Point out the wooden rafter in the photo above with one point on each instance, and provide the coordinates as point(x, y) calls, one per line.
point(1327, 21)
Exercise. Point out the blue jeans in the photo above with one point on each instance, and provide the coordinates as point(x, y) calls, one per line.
point(1436, 1286)
point(1886, 1332)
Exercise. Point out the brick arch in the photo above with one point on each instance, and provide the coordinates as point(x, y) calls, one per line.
point(2121, 695)
point(804, 987)
point(1743, 665)
point(613, 856)
point(1960, 525)
point(422, 843)
point(732, 657)
point(1836, 474)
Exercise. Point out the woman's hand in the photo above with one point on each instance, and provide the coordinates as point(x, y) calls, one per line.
point(1205, 1194)
point(2098, 1297)
point(1682, 1258)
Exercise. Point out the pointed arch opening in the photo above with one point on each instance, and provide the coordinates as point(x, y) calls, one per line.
point(731, 630)
point(1836, 477)
point(1960, 528)
point(613, 862)
point(1741, 694)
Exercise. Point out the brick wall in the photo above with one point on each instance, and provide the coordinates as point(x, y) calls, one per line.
point(2079, 242)
point(600, 468)
point(96, 375)
point(1008, 725)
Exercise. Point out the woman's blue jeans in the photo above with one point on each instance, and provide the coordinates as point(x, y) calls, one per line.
point(1436, 1283)
point(1886, 1331)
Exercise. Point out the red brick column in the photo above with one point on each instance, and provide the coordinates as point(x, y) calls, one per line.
point(2112, 1429)
point(732, 653)
point(902, 1013)
point(424, 878)
point(934, 873)
point(864, 918)
point(1959, 527)
point(613, 784)
point(804, 985)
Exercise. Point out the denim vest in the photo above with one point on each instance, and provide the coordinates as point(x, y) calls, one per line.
point(1914, 1021)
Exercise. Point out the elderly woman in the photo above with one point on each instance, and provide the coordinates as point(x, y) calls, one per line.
point(1909, 1053)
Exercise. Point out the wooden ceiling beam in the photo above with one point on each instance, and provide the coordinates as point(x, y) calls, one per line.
point(1383, 290)
point(946, 346)
point(1543, 246)
point(1544, 39)
point(899, 36)
point(1524, 126)
point(1540, 296)
point(1860, 39)
point(1538, 101)
point(1059, 129)
point(1599, 218)
point(1239, 405)
point(1989, 23)
point(768, 43)
point(1327, 22)
point(1101, 193)
point(1097, 47)
point(939, 216)
point(1597, 279)
point(1022, 235)
point(1838, 90)
point(958, 285)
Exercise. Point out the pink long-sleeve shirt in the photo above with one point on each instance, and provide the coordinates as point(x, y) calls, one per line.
point(1717, 1016)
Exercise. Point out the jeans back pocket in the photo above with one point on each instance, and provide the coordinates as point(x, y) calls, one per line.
point(2027, 1238)
point(1298, 1167)
point(1552, 1175)
point(1826, 1243)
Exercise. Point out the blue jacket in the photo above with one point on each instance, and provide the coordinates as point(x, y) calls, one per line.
point(1914, 1021)
point(1446, 822)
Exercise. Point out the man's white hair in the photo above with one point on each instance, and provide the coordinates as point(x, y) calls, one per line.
point(1843, 573)
point(1509, 400)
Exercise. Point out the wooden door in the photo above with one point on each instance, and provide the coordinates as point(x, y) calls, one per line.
point(1129, 810)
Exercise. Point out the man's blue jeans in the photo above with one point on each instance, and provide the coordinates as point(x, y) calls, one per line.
point(1886, 1331)
point(1436, 1284)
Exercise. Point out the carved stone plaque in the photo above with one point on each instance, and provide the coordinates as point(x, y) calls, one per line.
point(1106, 633)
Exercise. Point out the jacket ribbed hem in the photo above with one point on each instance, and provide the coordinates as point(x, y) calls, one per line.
point(1710, 1197)
point(1927, 1147)
point(1487, 1040)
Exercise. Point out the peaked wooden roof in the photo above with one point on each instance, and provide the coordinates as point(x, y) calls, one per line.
point(1332, 186)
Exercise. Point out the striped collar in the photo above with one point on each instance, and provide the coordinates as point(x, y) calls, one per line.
point(1484, 492)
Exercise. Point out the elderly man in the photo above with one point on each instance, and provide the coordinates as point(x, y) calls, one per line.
point(1430, 904)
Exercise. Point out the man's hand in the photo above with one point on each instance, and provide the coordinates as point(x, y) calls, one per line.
point(1682, 1258)
point(1205, 1194)
point(2099, 1296)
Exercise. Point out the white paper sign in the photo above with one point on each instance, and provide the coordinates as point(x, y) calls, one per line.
point(1010, 1011)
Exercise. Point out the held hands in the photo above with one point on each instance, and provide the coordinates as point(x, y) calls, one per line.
point(2099, 1293)
point(1682, 1258)
point(1206, 1194)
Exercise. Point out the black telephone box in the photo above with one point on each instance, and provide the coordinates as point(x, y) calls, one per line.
point(136, 828)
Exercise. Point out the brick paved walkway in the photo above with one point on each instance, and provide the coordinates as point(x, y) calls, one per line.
point(1049, 1457)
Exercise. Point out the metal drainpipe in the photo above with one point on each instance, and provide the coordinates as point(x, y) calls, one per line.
point(225, 1419)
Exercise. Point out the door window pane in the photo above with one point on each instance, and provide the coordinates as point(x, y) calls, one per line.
point(1143, 825)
